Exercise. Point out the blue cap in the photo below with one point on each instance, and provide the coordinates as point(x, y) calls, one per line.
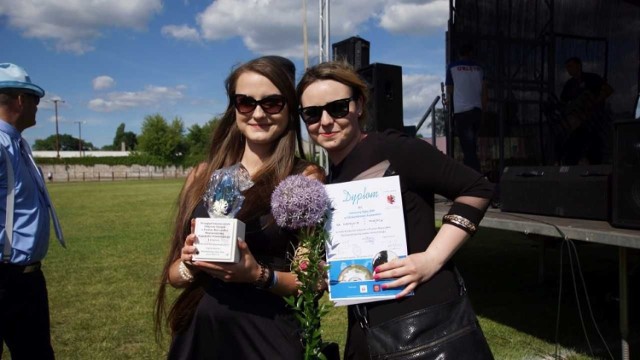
point(14, 77)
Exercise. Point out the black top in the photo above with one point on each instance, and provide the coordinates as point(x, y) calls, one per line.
point(239, 321)
point(424, 171)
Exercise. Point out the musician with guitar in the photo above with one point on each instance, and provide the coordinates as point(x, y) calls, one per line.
point(585, 119)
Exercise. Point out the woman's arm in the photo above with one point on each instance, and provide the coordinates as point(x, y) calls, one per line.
point(179, 276)
point(249, 271)
point(418, 268)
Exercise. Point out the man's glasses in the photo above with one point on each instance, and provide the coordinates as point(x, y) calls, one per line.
point(271, 104)
point(336, 109)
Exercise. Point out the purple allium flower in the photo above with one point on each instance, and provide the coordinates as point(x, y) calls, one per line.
point(299, 202)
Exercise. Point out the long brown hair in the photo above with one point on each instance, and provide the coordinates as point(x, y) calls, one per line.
point(343, 73)
point(227, 147)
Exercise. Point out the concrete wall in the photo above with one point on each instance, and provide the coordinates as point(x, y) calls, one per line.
point(111, 173)
point(76, 153)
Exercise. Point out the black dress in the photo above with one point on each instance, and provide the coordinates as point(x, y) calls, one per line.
point(239, 321)
point(423, 171)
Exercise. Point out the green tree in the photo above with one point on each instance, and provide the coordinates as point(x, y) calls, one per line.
point(158, 138)
point(67, 143)
point(45, 144)
point(199, 137)
point(119, 135)
point(440, 121)
point(129, 138)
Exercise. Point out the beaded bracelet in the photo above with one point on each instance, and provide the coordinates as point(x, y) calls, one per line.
point(460, 222)
point(185, 273)
point(267, 279)
point(262, 278)
point(268, 284)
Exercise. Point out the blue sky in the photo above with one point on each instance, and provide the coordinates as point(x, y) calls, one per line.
point(118, 61)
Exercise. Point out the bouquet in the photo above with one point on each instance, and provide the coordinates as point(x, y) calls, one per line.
point(301, 204)
point(217, 235)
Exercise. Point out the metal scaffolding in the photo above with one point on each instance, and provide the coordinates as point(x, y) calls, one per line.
point(523, 45)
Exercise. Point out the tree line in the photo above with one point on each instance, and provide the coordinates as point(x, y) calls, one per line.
point(158, 138)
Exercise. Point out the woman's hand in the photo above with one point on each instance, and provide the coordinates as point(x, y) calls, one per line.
point(410, 271)
point(418, 268)
point(247, 270)
point(188, 249)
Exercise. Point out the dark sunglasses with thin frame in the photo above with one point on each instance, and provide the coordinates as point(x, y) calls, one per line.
point(36, 98)
point(271, 104)
point(336, 109)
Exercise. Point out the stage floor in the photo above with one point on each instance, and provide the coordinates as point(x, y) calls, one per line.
point(565, 228)
point(594, 231)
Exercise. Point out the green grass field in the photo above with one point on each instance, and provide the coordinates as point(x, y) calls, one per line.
point(102, 287)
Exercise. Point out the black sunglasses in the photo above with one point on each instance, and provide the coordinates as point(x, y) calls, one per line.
point(336, 109)
point(271, 104)
point(36, 98)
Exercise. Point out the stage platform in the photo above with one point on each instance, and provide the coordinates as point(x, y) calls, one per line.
point(600, 232)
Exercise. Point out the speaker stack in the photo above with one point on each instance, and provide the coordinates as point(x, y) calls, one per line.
point(625, 190)
point(598, 192)
point(385, 90)
point(385, 85)
point(353, 50)
point(566, 191)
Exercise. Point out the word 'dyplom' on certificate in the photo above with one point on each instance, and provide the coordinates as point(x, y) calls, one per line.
point(366, 230)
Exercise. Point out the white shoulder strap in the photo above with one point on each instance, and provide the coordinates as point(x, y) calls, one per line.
point(8, 228)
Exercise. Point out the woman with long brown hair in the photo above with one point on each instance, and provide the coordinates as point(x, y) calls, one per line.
point(237, 310)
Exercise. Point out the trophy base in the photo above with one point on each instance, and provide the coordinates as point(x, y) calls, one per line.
point(217, 239)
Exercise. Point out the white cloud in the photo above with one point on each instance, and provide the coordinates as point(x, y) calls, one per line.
point(418, 91)
point(103, 82)
point(72, 25)
point(276, 26)
point(151, 95)
point(264, 32)
point(418, 17)
point(52, 119)
point(181, 32)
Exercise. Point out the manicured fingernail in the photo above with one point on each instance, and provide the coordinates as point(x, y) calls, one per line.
point(384, 287)
point(375, 270)
point(376, 277)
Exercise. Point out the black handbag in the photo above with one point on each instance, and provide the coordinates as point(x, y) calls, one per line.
point(444, 331)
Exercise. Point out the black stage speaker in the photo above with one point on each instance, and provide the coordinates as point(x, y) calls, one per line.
point(625, 189)
point(580, 191)
point(385, 102)
point(353, 50)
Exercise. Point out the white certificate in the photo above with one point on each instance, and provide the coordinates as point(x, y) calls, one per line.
point(366, 229)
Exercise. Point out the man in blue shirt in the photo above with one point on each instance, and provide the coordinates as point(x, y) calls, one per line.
point(467, 88)
point(25, 210)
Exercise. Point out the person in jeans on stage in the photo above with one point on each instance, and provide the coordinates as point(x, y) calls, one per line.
point(24, 231)
point(466, 85)
point(333, 106)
